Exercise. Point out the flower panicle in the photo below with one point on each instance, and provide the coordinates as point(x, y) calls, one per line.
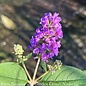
point(46, 40)
point(18, 50)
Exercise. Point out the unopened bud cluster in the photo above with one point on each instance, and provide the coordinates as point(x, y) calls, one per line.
point(18, 50)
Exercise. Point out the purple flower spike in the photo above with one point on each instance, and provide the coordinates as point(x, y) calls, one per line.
point(46, 40)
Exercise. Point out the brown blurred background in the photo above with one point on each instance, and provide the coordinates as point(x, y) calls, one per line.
point(26, 15)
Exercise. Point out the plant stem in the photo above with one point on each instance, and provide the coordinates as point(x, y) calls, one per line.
point(35, 72)
point(25, 69)
point(27, 72)
point(41, 76)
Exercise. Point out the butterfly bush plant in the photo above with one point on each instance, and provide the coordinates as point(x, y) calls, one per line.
point(45, 44)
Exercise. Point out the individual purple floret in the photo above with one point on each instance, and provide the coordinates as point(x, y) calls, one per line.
point(46, 40)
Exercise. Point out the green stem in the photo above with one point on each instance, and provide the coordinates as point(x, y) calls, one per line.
point(35, 72)
point(25, 69)
point(41, 76)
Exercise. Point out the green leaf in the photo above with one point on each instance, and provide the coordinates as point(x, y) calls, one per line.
point(43, 65)
point(84, 71)
point(66, 76)
point(28, 56)
point(11, 74)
